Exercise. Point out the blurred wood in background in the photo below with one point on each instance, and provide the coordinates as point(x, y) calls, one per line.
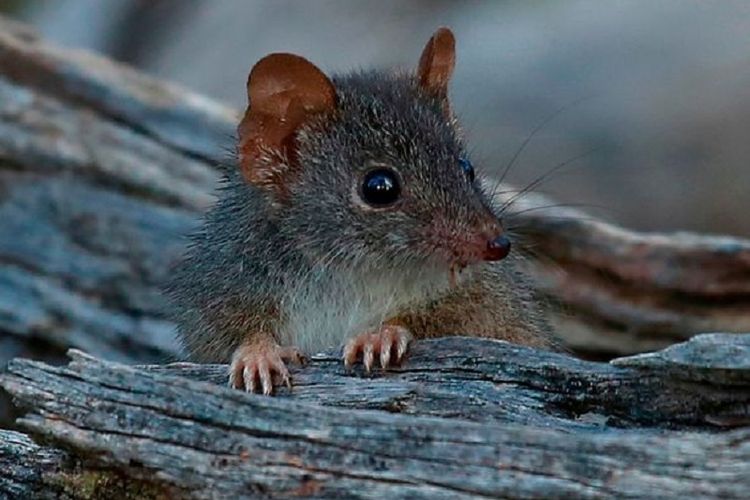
point(658, 92)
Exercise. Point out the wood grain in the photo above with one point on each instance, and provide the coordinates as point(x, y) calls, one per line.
point(465, 417)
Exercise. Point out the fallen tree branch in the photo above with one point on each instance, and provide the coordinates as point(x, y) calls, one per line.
point(523, 423)
point(681, 387)
point(626, 291)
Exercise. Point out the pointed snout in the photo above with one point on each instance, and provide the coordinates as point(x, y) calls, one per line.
point(497, 248)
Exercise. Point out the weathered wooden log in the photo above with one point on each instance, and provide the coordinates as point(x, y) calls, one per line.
point(625, 291)
point(25, 465)
point(103, 169)
point(523, 423)
point(40, 472)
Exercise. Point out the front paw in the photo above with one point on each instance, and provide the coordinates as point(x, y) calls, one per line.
point(389, 343)
point(259, 366)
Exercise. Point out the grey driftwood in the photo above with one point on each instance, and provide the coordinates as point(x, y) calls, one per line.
point(465, 417)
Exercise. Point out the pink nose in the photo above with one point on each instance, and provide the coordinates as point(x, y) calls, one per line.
point(497, 249)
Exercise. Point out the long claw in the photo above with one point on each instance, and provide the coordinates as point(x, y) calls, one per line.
point(236, 370)
point(266, 379)
point(235, 375)
point(386, 342)
point(283, 372)
point(248, 376)
point(286, 379)
point(350, 356)
point(403, 344)
point(368, 357)
point(385, 357)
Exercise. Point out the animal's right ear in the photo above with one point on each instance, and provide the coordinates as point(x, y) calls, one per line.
point(283, 91)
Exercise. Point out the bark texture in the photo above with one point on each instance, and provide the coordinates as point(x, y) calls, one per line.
point(465, 417)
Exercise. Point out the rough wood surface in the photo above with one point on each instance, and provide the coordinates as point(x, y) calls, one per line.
point(103, 169)
point(627, 292)
point(523, 423)
point(32, 471)
point(25, 464)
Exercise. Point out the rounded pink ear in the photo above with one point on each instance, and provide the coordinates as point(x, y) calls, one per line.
point(284, 90)
point(437, 62)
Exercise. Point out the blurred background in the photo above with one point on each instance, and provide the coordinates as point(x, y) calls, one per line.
point(657, 94)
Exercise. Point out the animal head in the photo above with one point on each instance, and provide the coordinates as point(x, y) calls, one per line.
point(367, 167)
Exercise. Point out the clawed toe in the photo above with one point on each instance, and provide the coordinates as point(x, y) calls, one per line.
point(259, 367)
point(389, 344)
point(293, 355)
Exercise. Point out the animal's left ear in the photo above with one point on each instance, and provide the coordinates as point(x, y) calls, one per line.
point(437, 63)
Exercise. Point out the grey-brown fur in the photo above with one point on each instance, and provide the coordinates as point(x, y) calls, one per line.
point(257, 266)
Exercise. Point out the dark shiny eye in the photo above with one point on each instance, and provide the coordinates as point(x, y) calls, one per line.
point(381, 187)
point(467, 167)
